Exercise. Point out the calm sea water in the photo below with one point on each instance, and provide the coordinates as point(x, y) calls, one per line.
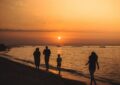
point(75, 58)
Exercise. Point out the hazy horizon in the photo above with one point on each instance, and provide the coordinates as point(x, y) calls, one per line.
point(51, 38)
point(73, 21)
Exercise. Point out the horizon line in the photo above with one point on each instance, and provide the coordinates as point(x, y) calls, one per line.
point(29, 30)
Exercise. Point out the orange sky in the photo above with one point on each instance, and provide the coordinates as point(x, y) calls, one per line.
point(85, 16)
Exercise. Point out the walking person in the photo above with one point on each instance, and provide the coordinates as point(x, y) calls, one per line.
point(92, 62)
point(59, 60)
point(37, 55)
point(47, 53)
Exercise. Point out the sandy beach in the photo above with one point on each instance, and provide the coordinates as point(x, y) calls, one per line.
point(15, 72)
point(59, 42)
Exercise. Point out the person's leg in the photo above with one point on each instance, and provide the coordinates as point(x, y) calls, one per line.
point(94, 80)
point(39, 64)
point(91, 75)
point(36, 66)
point(48, 62)
point(91, 78)
point(59, 72)
point(47, 66)
point(60, 69)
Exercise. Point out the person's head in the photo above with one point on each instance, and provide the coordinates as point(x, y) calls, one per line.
point(37, 49)
point(46, 47)
point(93, 52)
point(58, 55)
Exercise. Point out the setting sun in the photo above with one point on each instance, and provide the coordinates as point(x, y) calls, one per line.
point(59, 37)
point(56, 38)
point(69, 21)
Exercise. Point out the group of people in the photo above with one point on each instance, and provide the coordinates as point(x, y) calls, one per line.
point(46, 53)
point(92, 62)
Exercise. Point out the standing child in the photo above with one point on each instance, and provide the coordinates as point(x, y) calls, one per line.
point(59, 60)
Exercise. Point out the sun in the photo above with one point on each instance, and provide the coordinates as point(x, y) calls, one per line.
point(59, 37)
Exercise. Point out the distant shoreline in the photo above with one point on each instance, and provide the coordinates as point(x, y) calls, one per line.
point(99, 46)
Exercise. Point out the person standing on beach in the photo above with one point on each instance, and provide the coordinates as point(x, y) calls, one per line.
point(93, 62)
point(59, 60)
point(37, 55)
point(47, 53)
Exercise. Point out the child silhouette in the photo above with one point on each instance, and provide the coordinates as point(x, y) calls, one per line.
point(59, 60)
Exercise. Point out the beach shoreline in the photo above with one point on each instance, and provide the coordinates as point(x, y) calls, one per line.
point(13, 73)
point(79, 79)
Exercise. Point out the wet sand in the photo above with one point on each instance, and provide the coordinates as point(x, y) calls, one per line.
point(15, 73)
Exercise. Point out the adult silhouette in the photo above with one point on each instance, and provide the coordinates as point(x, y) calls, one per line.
point(93, 62)
point(47, 53)
point(37, 55)
point(59, 60)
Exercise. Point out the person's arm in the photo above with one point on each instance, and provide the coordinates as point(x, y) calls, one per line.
point(57, 60)
point(39, 53)
point(87, 63)
point(97, 63)
point(33, 53)
point(60, 60)
point(43, 52)
point(50, 51)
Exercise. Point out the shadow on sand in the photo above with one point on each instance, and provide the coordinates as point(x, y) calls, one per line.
point(13, 73)
point(74, 72)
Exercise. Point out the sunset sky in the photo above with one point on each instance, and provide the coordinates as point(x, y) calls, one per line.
point(88, 19)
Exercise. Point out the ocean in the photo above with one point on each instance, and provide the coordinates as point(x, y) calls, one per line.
point(74, 59)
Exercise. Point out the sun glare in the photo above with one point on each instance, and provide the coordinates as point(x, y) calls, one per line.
point(59, 37)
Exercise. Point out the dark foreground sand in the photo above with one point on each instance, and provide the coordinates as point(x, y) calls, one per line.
point(13, 73)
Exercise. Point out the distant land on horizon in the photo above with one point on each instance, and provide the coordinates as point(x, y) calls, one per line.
point(42, 44)
point(60, 22)
point(49, 30)
point(49, 37)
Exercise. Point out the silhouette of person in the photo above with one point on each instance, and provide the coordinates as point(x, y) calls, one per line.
point(47, 53)
point(59, 60)
point(37, 55)
point(93, 62)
